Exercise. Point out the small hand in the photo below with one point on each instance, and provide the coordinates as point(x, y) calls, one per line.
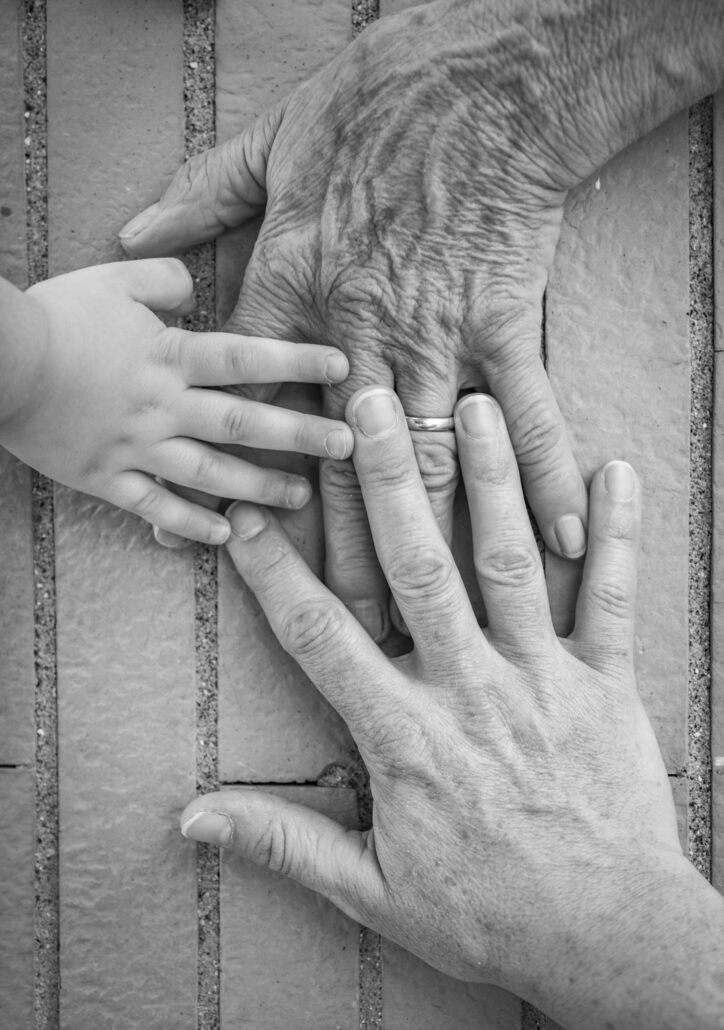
point(521, 806)
point(120, 400)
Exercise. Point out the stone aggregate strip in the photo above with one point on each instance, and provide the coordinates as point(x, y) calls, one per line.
point(46, 918)
point(701, 335)
point(199, 134)
point(364, 12)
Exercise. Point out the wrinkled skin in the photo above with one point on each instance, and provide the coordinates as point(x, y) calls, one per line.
point(412, 207)
point(523, 824)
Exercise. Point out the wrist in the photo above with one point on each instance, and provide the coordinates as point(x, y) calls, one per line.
point(651, 957)
point(23, 345)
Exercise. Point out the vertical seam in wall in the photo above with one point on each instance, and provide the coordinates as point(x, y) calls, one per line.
point(371, 1016)
point(46, 915)
point(701, 338)
point(199, 28)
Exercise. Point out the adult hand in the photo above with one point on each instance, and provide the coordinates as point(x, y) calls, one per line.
point(115, 398)
point(413, 192)
point(523, 825)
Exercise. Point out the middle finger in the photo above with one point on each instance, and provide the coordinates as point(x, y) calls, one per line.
point(414, 556)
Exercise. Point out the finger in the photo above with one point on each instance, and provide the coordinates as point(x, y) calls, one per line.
point(222, 418)
point(607, 598)
point(171, 540)
point(144, 497)
point(507, 562)
point(213, 191)
point(190, 463)
point(226, 359)
point(552, 482)
point(310, 623)
point(351, 569)
point(436, 452)
point(414, 556)
point(163, 284)
point(293, 840)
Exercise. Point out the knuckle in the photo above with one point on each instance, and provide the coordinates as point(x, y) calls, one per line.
point(207, 469)
point(168, 348)
point(338, 479)
point(236, 424)
point(419, 572)
point(438, 467)
point(242, 362)
point(508, 566)
point(148, 504)
point(537, 434)
point(313, 631)
point(271, 848)
point(611, 598)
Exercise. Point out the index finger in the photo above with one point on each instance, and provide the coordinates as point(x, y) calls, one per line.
point(310, 623)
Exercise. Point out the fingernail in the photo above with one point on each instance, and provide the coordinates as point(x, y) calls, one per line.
point(375, 413)
point(336, 368)
point(246, 520)
point(396, 617)
point(170, 540)
point(298, 494)
point(571, 536)
point(220, 533)
point(372, 617)
point(618, 479)
point(209, 827)
point(139, 223)
point(479, 416)
point(338, 444)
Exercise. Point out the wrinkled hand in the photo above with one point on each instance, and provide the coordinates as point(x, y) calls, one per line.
point(119, 399)
point(413, 192)
point(521, 806)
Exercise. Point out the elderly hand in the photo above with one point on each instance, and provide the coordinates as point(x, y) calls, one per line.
point(113, 399)
point(523, 824)
point(413, 192)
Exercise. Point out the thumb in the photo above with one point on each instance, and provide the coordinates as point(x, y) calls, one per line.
point(293, 840)
point(213, 191)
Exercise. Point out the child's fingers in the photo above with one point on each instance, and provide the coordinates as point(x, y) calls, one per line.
point(223, 418)
point(143, 496)
point(197, 497)
point(227, 359)
point(193, 464)
point(162, 284)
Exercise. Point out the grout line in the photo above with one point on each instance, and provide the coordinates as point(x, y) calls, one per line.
point(701, 335)
point(46, 914)
point(199, 92)
point(364, 12)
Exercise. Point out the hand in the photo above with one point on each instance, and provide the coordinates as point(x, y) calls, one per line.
point(523, 825)
point(411, 219)
point(119, 399)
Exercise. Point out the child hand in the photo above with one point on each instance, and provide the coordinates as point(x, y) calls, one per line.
point(118, 399)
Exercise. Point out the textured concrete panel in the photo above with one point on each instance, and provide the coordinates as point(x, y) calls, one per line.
point(288, 956)
point(717, 569)
point(273, 725)
point(17, 676)
point(17, 673)
point(618, 359)
point(126, 687)
point(417, 997)
point(115, 119)
point(12, 124)
point(17, 842)
point(126, 720)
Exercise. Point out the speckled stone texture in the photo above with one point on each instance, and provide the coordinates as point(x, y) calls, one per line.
point(717, 615)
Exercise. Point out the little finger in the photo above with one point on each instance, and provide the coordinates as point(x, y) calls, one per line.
point(606, 600)
point(143, 496)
